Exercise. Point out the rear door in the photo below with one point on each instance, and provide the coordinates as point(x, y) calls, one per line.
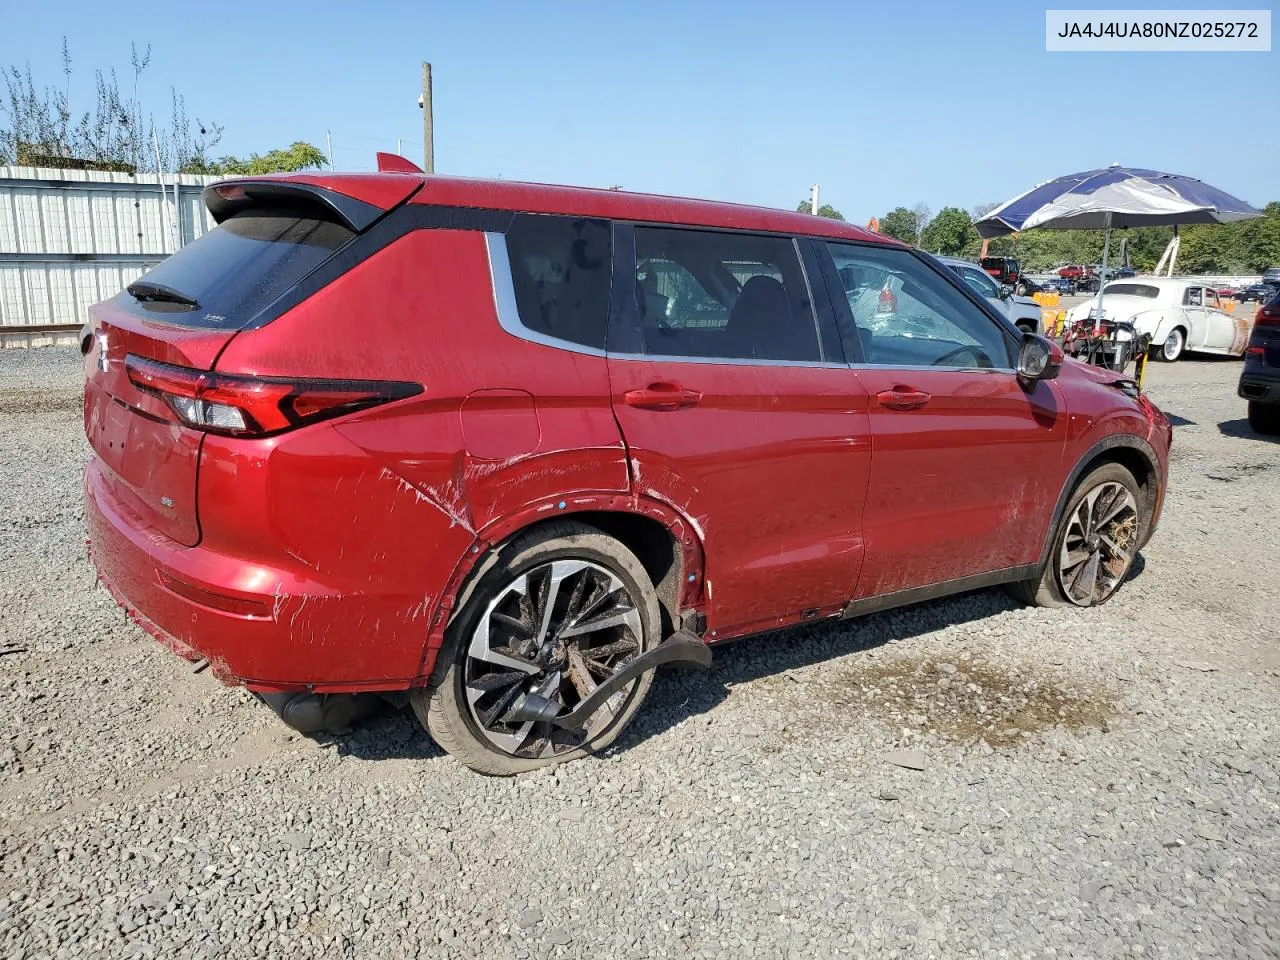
point(737, 413)
point(184, 312)
point(966, 460)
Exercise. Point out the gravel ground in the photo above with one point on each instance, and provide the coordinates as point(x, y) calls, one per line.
point(1094, 783)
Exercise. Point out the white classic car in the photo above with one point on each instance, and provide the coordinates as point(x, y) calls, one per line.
point(1180, 315)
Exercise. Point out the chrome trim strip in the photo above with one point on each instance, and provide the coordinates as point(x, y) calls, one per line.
point(750, 362)
point(504, 301)
point(736, 361)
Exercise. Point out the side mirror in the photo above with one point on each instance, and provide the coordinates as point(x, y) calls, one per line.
point(1006, 291)
point(1038, 358)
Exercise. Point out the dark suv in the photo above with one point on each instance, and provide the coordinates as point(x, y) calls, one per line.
point(1260, 379)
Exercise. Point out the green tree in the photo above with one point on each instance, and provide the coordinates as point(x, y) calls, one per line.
point(949, 232)
point(298, 156)
point(899, 223)
point(826, 210)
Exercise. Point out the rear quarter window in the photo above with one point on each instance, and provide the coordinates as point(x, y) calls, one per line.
point(236, 270)
point(561, 271)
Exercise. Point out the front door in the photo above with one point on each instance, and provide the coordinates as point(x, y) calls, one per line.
point(733, 416)
point(966, 459)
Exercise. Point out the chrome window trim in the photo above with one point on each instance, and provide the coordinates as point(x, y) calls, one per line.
point(929, 366)
point(504, 301)
point(825, 365)
point(736, 361)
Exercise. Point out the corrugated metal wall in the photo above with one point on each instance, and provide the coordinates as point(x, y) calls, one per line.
point(69, 238)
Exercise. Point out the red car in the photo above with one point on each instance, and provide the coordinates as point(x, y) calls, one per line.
point(499, 449)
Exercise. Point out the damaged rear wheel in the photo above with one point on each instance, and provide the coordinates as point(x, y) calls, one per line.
point(560, 611)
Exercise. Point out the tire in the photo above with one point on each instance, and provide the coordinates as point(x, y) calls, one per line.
point(1173, 347)
point(1059, 587)
point(1020, 289)
point(1025, 327)
point(1264, 418)
point(506, 749)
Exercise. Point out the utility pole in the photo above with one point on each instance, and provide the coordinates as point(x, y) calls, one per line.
point(813, 200)
point(328, 139)
point(428, 145)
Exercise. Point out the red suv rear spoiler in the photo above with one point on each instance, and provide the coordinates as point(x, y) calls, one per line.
point(355, 201)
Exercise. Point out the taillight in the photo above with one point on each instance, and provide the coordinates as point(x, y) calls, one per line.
point(257, 406)
point(1268, 315)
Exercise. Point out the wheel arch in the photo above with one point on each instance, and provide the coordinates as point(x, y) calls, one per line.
point(1129, 451)
point(666, 543)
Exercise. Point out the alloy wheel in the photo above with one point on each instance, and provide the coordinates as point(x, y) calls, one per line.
point(1098, 544)
point(556, 631)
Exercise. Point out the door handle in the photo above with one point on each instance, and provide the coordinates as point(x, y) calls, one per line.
point(662, 395)
point(903, 398)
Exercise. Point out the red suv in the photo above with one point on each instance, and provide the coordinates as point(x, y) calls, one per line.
point(499, 449)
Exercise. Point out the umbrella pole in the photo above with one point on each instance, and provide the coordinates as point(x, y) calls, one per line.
point(1102, 280)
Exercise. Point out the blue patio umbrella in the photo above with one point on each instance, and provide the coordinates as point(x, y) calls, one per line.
point(1114, 197)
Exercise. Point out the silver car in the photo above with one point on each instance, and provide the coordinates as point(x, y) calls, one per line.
point(1022, 312)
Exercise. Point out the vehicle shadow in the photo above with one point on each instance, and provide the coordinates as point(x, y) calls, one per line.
point(678, 695)
point(1241, 429)
point(1178, 421)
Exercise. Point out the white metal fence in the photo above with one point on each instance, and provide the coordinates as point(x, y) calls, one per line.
point(69, 238)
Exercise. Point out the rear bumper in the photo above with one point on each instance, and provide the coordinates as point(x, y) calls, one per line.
point(1260, 386)
point(291, 633)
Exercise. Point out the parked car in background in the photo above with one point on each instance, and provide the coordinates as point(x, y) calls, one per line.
point(1073, 272)
point(1060, 285)
point(1260, 378)
point(1005, 270)
point(1025, 286)
point(1023, 312)
point(1260, 292)
point(485, 447)
point(1179, 315)
point(1271, 274)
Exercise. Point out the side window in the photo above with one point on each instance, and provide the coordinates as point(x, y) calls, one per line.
point(1211, 299)
point(1192, 297)
point(906, 314)
point(722, 295)
point(561, 269)
point(980, 282)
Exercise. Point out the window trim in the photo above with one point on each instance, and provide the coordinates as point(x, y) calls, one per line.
point(1002, 324)
point(504, 301)
point(624, 316)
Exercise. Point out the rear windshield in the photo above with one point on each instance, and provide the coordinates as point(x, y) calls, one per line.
point(234, 271)
point(1134, 290)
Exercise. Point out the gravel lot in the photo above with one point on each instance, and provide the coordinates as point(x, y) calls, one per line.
point(1094, 783)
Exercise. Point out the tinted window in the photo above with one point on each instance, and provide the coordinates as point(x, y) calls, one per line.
point(727, 295)
point(980, 282)
point(907, 314)
point(1133, 290)
point(561, 268)
point(235, 270)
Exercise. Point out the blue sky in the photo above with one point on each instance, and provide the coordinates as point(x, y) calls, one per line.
point(881, 103)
